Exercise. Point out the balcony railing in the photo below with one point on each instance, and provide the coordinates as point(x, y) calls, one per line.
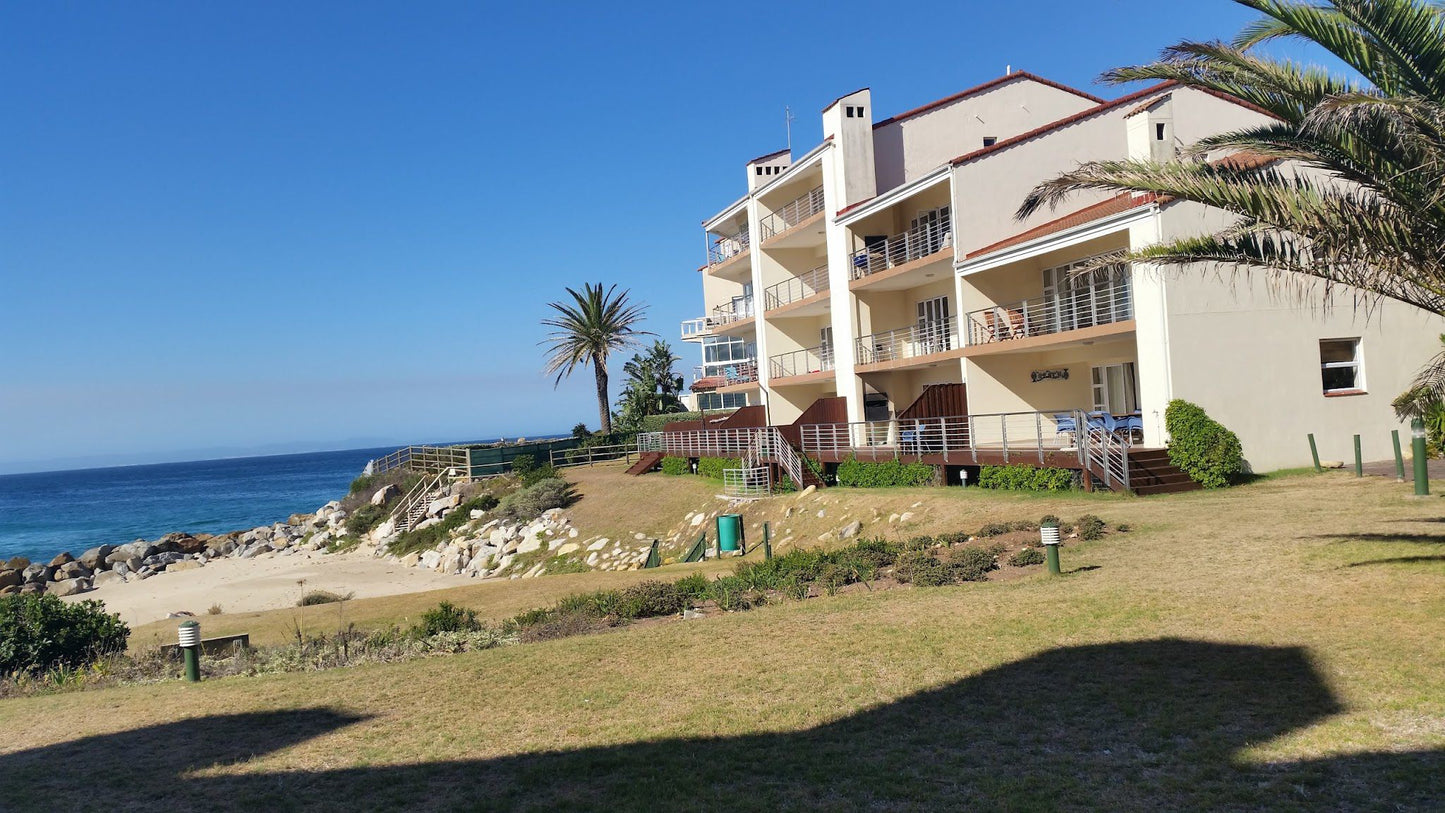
point(796, 288)
point(732, 372)
point(801, 362)
point(696, 328)
point(1100, 303)
point(905, 343)
point(735, 311)
point(1025, 434)
point(727, 246)
point(914, 244)
point(792, 213)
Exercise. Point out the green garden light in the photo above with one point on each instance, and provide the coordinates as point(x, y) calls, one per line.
point(189, 635)
point(1049, 535)
point(1417, 449)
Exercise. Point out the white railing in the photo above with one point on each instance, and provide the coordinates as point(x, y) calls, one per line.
point(801, 362)
point(724, 247)
point(734, 311)
point(792, 213)
point(773, 446)
point(748, 483)
point(752, 446)
point(914, 244)
point(1100, 303)
point(412, 507)
point(696, 328)
point(909, 342)
point(794, 289)
point(1022, 436)
point(1109, 453)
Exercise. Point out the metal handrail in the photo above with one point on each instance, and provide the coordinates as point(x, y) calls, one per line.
point(801, 362)
point(750, 445)
point(1100, 303)
point(423, 458)
point(792, 213)
point(734, 311)
point(696, 328)
point(1025, 436)
point(911, 342)
point(724, 247)
point(914, 244)
point(794, 289)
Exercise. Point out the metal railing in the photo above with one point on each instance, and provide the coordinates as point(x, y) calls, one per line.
point(734, 311)
point(748, 483)
point(1109, 453)
point(1100, 303)
point(412, 507)
point(699, 442)
point(909, 342)
point(792, 213)
point(914, 244)
point(801, 362)
point(1025, 436)
point(586, 456)
point(423, 458)
point(724, 247)
point(696, 328)
point(794, 289)
point(771, 445)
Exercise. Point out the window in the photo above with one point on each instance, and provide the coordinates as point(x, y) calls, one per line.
point(1341, 366)
point(932, 326)
point(1116, 389)
point(1159, 132)
point(722, 400)
point(989, 141)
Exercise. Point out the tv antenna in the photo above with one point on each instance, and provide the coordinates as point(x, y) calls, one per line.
point(788, 123)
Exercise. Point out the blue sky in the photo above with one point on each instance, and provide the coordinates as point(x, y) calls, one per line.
point(228, 228)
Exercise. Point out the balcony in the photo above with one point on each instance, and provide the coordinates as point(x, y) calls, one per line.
point(792, 213)
point(1106, 301)
point(725, 247)
point(903, 344)
point(796, 289)
point(924, 240)
point(801, 362)
point(718, 375)
point(723, 315)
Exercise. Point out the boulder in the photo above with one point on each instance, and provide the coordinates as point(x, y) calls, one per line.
point(805, 492)
point(410, 560)
point(297, 519)
point(498, 537)
point(36, 573)
point(850, 530)
point(529, 544)
point(184, 564)
point(190, 544)
point(32, 588)
point(599, 544)
point(73, 570)
point(443, 504)
point(906, 516)
point(11, 578)
point(61, 559)
point(570, 547)
point(69, 587)
point(386, 492)
point(95, 557)
point(107, 577)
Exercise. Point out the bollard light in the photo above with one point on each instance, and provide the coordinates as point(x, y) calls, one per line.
point(1417, 450)
point(1049, 535)
point(189, 636)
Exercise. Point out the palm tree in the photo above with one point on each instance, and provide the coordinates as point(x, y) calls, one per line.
point(652, 387)
point(1383, 229)
point(587, 330)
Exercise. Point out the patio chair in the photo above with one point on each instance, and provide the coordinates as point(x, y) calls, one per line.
point(1131, 424)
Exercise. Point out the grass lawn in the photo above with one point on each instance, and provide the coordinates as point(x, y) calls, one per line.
point(1276, 646)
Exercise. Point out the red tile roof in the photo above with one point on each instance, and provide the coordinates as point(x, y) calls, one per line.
point(1098, 211)
point(990, 84)
point(708, 384)
point(1145, 106)
point(770, 155)
point(841, 98)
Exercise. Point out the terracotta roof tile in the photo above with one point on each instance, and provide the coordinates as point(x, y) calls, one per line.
point(989, 85)
point(1113, 206)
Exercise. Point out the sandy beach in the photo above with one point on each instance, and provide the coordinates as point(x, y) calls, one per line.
point(263, 583)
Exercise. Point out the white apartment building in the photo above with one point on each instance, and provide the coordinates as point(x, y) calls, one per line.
point(888, 259)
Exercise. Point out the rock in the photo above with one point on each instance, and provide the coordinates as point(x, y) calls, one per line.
point(698, 519)
point(410, 560)
point(1332, 464)
point(190, 544)
point(529, 544)
point(916, 505)
point(850, 530)
point(94, 557)
point(805, 492)
point(184, 564)
point(11, 578)
point(74, 570)
point(385, 493)
point(121, 569)
point(32, 588)
point(36, 573)
point(892, 518)
point(17, 563)
point(825, 537)
point(822, 513)
point(599, 544)
point(571, 533)
point(427, 523)
point(639, 537)
point(61, 559)
point(69, 587)
point(905, 516)
point(107, 577)
point(689, 614)
point(443, 504)
point(570, 547)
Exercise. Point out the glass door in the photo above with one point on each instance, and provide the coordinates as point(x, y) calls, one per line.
point(932, 328)
point(1116, 389)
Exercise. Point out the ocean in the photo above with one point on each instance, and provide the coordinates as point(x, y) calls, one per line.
point(46, 513)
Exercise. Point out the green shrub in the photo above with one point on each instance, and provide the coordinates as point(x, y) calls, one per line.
point(920, 543)
point(972, 564)
point(1206, 451)
point(315, 597)
point(1049, 519)
point(533, 476)
point(919, 567)
point(884, 473)
point(361, 483)
point(1091, 527)
point(651, 598)
point(1026, 557)
point(693, 588)
point(676, 466)
point(523, 463)
point(1025, 478)
point(870, 553)
point(530, 502)
point(1123, 528)
point(952, 538)
point(430, 536)
point(993, 529)
point(40, 632)
point(365, 518)
point(712, 467)
point(447, 617)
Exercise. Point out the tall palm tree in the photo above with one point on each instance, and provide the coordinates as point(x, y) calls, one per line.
point(652, 386)
point(1383, 229)
point(586, 331)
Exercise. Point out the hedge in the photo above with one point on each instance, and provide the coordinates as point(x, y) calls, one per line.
point(712, 467)
point(1205, 450)
point(40, 632)
point(1025, 478)
point(676, 465)
point(884, 473)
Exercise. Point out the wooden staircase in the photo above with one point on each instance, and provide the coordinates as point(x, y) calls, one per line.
point(645, 463)
point(1150, 472)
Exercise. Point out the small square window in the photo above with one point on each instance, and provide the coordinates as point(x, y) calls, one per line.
point(1159, 132)
point(989, 141)
point(1342, 367)
point(849, 108)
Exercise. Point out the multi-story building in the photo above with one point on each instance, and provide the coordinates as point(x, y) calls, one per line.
point(889, 259)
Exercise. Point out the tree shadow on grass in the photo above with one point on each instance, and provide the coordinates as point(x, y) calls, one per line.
point(1149, 725)
point(1399, 560)
point(1409, 539)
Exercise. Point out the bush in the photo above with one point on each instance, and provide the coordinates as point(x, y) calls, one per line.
point(972, 564)
point(1206, 451)
point(447, 617)
point(693, 588)
point(919, 567)
point(522, 464)
point(676, 466)
point(1049, 519)
point(541, 496)
point(428, 537)
point(365, 518)
point(546, 471)
point(315, 597)
point(1091, 527)
point(712, 467)
point(651, 598)
point(1025, 478)
point(993, 529)
point(1026, 557)
point(40, 632)
point(884, 473)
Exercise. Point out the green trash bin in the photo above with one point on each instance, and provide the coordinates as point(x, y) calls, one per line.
point(729, 532)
